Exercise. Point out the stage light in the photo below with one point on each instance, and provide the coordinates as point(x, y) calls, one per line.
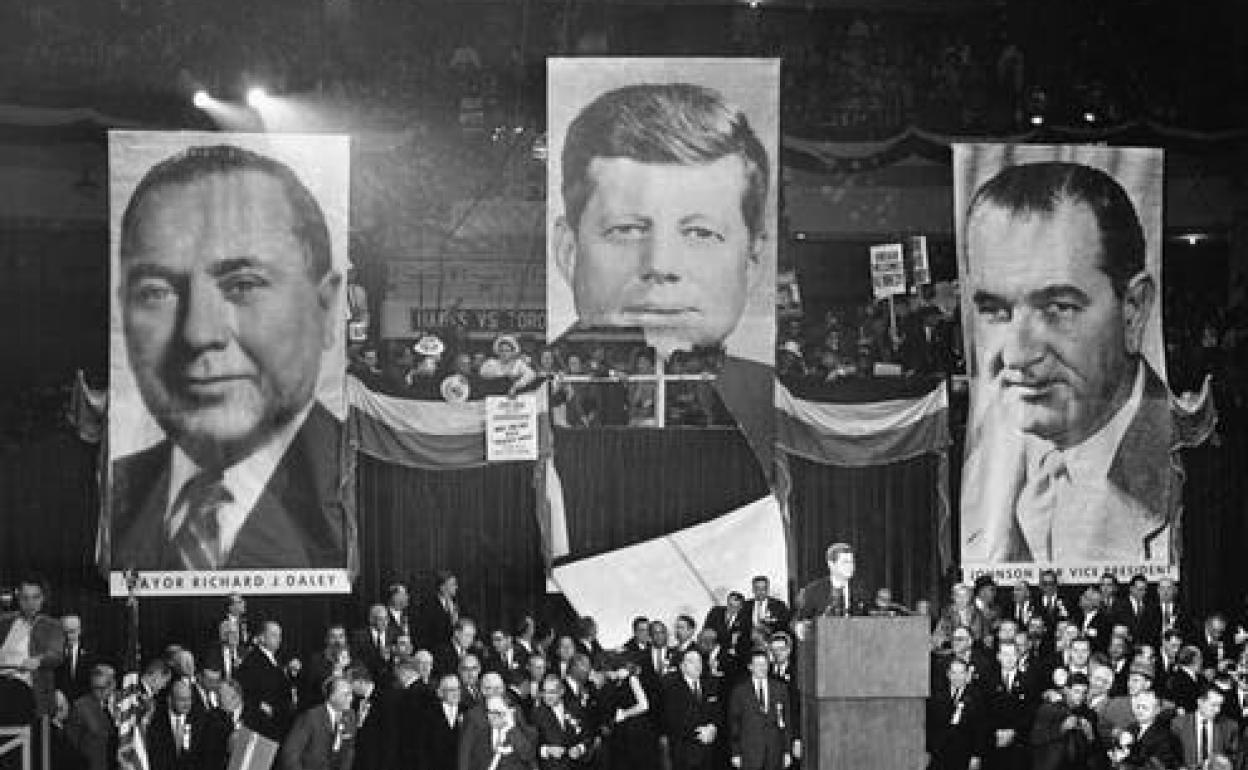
point(1037, 120)
point(1193, 238)
point(201, 99)
point(1089, 116)
point(257, 98)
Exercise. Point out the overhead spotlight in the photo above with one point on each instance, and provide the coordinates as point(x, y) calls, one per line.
point(754, 4)
point(257, 97)
point(1037, 120)
point(1089, 117)
point(201, 99)
point(1193, 238)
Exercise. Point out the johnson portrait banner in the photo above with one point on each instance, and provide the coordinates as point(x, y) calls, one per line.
point(1072, 448)
point(228, 468)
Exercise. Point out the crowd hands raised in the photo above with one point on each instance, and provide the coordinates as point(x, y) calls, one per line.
point(592, 384)
point(417, 687)
point(1122, 678)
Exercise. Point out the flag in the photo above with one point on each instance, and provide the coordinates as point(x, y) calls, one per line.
point(686, 572)
point(131, 751)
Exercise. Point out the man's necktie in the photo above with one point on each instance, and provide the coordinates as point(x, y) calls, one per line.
point(762, 697)
point(1204, 741)
point(697, 691)
point(1038, 502)
point(199, 540)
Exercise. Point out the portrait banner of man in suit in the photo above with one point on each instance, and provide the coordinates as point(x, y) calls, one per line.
point(228, 465)
point(661, 225)
point(1073, 436)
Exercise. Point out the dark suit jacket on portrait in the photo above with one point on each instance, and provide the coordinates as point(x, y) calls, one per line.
point(298, 521)
point(1140, 503)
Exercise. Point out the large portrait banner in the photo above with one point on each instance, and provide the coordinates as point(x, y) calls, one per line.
point(1071, 447)
point(228, 467)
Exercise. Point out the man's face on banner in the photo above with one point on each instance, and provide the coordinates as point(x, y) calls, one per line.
point(662, 246)
point(1050, 332)
point(224, 323)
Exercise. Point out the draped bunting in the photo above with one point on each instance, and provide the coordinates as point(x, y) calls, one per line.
point(862, 434)
point(843, 430)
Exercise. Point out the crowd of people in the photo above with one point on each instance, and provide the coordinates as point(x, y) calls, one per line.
point(1021, 677)
point(1122, 678)
point(592, 385)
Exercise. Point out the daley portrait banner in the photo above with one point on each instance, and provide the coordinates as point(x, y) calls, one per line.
point(1072, 441)
point(228, 468)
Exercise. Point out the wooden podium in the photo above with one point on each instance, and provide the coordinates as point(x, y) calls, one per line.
point(864, 683)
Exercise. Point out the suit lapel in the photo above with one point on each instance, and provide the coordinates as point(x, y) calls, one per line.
point(1149, 438)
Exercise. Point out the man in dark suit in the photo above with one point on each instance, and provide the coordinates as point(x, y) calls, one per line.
point(226, 655)
point(323, 738)
point(504, 657)
point(832, 595)
point(438, 740)
point(333, 660)
point(760, 719)
point(73, 676)
point(1093, 620)
point(1216, 647)
point(957, 721)
point(32, 645)
point(227, 294)
point(1141, 616)
point(90, 729)
point(500, 743)
point(1011, 704)
point(1206, 732)
point(563, 740)
point(763, 611)
point(1153, 745)
point(376, 719)
point(692, 714)
point(730, 623)
point(1183, 683)
point(176, 733)
point(1069, 455)
point(369, 645)
point(266, 687)
point(397, 623)
point(438, 613)
point(1064, 733)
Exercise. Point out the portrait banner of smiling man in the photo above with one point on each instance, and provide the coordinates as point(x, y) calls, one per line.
point(661, 212)
point(1072, 440)
point(227, 462)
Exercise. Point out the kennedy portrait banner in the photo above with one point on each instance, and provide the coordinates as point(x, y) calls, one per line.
point(1071, 446)
point(227, 464)
point(661, 211)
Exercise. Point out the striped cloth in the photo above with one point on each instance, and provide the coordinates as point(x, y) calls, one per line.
point(131, 709)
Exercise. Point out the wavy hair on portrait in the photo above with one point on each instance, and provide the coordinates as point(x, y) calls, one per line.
point(677, 123)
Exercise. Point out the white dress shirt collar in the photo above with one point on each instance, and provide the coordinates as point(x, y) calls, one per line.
point(245, 481)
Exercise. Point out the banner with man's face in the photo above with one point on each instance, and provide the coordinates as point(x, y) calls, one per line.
point(1071, 457)
point(227, 463)
point(661, 215)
